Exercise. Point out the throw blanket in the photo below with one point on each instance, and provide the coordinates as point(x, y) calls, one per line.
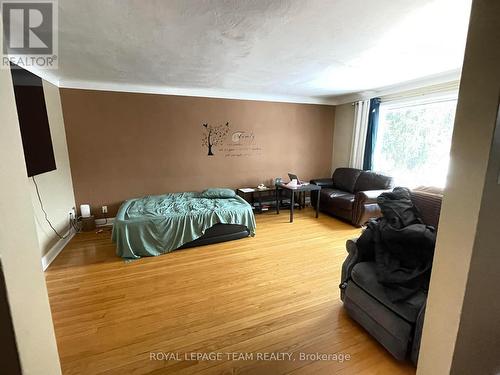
point(403, 245)
point(154, 225)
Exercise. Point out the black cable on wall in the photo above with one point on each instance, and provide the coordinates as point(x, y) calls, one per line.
point(47, 216)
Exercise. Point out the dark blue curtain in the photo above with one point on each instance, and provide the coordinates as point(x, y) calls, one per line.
point(371, 134)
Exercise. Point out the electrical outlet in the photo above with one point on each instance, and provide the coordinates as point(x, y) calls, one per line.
point(104, 209)
point(72, 212)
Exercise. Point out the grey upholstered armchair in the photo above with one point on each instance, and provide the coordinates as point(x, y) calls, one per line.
point(396, 325)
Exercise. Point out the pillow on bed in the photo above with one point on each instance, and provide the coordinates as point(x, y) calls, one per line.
point(217, 193)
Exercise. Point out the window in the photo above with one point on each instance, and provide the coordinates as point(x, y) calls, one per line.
point(413, 141)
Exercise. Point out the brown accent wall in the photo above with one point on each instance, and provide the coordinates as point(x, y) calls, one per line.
point(125, 145)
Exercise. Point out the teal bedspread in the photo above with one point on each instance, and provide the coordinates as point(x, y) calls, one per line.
point(154, 225)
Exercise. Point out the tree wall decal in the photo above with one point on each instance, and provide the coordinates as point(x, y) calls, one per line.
point(214, 136)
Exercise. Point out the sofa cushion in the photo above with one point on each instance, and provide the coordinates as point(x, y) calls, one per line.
point(327, 193)
point(344, 201)
point(368, 180)
point(365, 276)
point(337, 198)
point(345, 178)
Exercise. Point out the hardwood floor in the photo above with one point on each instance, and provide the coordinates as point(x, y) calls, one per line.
point(274, 293)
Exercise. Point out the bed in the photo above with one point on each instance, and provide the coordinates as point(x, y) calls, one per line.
point(155, 225)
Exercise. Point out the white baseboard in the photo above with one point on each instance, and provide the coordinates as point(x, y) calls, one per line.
point(104, 222)
point(56, 249)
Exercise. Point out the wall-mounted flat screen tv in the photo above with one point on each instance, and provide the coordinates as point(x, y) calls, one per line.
point(33, 121)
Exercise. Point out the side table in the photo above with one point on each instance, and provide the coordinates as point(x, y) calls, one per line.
point(299, 188)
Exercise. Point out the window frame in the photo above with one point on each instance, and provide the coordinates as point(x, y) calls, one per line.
point(398, 103)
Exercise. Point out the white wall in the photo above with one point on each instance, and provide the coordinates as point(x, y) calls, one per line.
point(19, 248)
point(56, 187)
point(342, 135)
point(462, 322)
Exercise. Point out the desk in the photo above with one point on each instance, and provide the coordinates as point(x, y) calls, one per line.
point(300, 189)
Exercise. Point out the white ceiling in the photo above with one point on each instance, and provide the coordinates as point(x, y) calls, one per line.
point(291, 50)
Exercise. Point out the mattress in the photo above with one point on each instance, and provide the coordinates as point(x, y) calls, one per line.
point(155, 225)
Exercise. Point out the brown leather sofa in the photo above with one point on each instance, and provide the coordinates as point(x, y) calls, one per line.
point(351, 194)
